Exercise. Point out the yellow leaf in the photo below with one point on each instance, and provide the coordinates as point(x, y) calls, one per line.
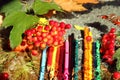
point(78, 27)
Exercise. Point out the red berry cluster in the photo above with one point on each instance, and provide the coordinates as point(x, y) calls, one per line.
point(108, 46)
point(42, 36)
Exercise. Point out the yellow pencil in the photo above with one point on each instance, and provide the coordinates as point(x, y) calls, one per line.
point(87, 55)
point(52, 71)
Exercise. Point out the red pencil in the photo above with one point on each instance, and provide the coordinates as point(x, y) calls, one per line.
point(49, 58)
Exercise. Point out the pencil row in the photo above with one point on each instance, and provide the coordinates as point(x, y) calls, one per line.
point(61, 62)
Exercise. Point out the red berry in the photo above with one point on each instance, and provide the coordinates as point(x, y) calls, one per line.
point(23, 43)
point(112, 30)
point(60, 42)
point(49, 42)
point(88, 38)
point(42, 45)
point(45, 39)
point(30, 47)
point(55, 43)
point(34, 52)
point(39, 28)
point(5, 75)
point(60, 33)
point(111, 52)
point(37, 43)
point(56, 24)
point(60, 38)
point(104, 17)
point(111, 46)
point(49, 36)
point(63, 32)
point(58, 29)
point(106, 56)
point(109, 60)
point(106, 53)
point(39, 38)
point(104, 41)
point(29, 37)
point(34, 39)
point(51, 22)
point(44, 34)
point(101, 50)
point(52, 33)
point(55, 37)
point(105, 36)
point(62, 25)
point(112, 35)
point(116, 75)
point(67, 26)
point(33, 30)
point(47, 28)
point(38, 33)
point(28, 32)
point(54, 28)
point(55, 32)
point(112, 42)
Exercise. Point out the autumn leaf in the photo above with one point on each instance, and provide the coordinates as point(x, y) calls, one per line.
point(86, 1)
point(73, 5)
point(68, 5)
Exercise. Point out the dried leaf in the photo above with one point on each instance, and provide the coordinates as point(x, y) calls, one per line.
point(73, 5)
point(68, 6)
point(86, 1)
point(50, 13)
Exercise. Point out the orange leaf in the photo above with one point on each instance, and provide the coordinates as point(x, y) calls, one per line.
point(73, 5)
point(86, 1)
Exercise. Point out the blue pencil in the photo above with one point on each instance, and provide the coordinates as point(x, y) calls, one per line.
point(43, 63)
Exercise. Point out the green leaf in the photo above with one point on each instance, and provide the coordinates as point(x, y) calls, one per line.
point(118, 65)
point(118, 33)
point(20, 22)
point(117, 56)
point(41, 8)
point(11, 6)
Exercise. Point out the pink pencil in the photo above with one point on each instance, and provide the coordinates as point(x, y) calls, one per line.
point(66, 64)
